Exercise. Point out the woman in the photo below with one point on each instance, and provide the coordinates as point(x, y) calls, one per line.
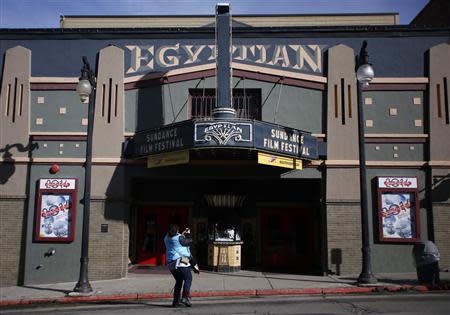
point(177, 254)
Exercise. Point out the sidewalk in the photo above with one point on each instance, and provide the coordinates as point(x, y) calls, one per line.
point(159, 284)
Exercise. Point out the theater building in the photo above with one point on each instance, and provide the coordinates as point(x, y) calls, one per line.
point(280, 178)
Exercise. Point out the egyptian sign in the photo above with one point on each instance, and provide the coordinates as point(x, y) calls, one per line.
point(226, 133)
point(294, 57)
point(231, 133)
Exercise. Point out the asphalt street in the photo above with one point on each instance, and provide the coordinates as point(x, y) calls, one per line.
point(430, 303)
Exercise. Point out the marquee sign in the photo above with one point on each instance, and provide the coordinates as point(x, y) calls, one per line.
point(228, 133)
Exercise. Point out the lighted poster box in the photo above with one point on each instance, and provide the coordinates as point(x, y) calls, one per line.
point(55, 211)
point(398, 209)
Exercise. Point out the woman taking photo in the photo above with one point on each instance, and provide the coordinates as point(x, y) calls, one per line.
point(177, 255)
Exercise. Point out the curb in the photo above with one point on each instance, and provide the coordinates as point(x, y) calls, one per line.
point(269, 292)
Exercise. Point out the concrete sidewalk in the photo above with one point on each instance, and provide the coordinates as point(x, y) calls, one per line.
point(159, 285)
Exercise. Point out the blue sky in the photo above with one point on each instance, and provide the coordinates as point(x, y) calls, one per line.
point(46, 13)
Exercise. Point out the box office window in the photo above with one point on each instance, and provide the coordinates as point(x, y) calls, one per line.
point(246, 102)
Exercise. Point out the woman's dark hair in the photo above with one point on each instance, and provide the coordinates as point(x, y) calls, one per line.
point(173, 229)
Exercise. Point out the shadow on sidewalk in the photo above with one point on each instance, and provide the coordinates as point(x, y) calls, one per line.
point(47, 289)
point(275, 277)
point(385, 280)
point(125, 302)
point(138, 271)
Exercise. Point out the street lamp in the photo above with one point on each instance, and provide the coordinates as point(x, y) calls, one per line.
point(86, 86)
point(364, 75)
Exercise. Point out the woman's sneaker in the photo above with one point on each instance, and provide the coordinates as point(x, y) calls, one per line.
point(186, 302)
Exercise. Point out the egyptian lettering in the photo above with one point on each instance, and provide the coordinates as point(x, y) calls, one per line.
point(144, 58)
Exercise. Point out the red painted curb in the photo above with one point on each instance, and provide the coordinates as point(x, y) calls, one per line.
point(25, 302)
point(152, 296)
point(395, 289)
point(348, 290)
point(97, 298)
point(420, 288)
point(224, 293)
point(288, 291)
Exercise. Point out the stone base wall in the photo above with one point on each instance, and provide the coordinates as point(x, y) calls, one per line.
point(441, 218)
point(12, 240)
point(108, 251)
point(344, 238)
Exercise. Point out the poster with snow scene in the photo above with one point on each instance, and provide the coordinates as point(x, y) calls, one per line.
point(397, 217)
point(398, 209)
point(55, 212)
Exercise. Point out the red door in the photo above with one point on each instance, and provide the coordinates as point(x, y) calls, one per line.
point(287, 239)
point(152, 226)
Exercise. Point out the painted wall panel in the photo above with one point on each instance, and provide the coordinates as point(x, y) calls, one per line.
point(60, 149)
point(143, 109)
point(395, 112)
point(395, 152)
point(47, 115)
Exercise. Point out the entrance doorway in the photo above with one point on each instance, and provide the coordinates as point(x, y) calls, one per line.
point(288, 240)
point(152, 225)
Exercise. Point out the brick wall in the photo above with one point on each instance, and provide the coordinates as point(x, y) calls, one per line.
point(441, 218)
point(11, 240)
point(108, 252)
point(344, 236)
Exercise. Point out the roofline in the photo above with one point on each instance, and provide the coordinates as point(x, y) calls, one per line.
point(369, 30)
point(236, 15)
point(420, 12)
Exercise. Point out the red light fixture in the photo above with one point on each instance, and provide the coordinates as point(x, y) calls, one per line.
point(54, 169)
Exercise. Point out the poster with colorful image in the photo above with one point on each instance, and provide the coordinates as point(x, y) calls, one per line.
point(398, 215)
point(55, 215)
point(55, 210)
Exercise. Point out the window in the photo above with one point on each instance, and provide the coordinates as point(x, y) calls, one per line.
point(247, 103)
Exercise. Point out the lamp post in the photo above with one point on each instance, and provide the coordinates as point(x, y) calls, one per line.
point(86, 86)
point(364, 75)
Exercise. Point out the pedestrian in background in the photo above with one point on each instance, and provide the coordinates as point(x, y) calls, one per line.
point(178, 256)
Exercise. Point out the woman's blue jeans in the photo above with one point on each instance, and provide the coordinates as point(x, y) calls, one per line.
point(181, 274)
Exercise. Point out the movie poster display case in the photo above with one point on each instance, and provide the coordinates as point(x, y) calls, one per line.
point(56, 210)
point(398, 209)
